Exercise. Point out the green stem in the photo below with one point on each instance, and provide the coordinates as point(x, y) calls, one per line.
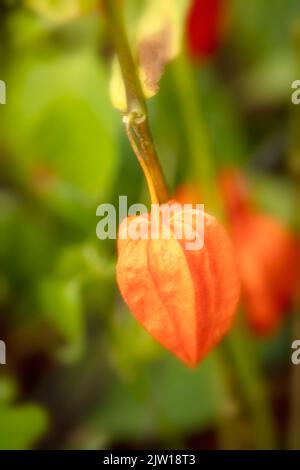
point(136, 116)
point(246, 363)
point(142, 144)
point(135, 98)
point(228, 414)
point(201, 156)
point(294, 168)
point(199, 145)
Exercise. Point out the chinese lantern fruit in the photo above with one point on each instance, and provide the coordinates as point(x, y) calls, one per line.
point(266, 254)
point(266, 257)
point(185, 298)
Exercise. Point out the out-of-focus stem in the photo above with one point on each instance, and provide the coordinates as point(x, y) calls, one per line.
point(294, 158)
point(199, 145)
point(201, 155)
point(246, 364)
point(136, 116)
point(228, 419)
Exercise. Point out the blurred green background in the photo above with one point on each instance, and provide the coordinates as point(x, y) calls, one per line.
point(81, 373)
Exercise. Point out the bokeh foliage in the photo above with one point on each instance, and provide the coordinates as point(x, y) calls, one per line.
point(80, 371)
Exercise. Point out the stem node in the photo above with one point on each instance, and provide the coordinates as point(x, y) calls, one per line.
point(136, 118)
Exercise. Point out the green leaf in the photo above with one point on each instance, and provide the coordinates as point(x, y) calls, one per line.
point(123, 415)
point(21, 426)
point(27, 245)
point(8, 390)
point(157, 41)
point(60, 127)
point(224, 123)
point(131, 346)
point(167, 399)
point(85, 261)
point(190, 399)
point(274, 196)
point(60, 11)
point(259, 85)
point(61, 304)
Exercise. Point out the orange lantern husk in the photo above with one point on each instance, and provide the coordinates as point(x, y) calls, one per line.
point(266, 253)
point(186, 299)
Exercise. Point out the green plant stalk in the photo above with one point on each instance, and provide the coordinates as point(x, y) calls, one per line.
point(246, 363)
point(136, 117)
point(228, 414)
point(199, 145)
point(201, 156)
point(293, 441)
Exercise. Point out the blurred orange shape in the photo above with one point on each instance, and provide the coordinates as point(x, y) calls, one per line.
point(186, 299)
point(188, 193)
point(266, 252)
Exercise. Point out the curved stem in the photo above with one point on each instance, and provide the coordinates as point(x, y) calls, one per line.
point(136, 116)
point(141, 143)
